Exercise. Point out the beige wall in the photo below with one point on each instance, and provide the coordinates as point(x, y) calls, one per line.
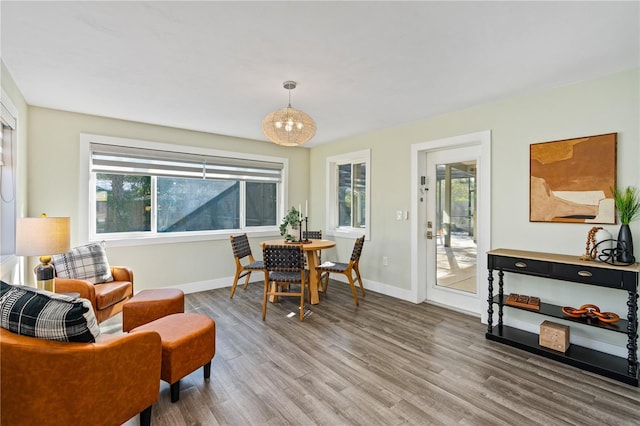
point(53, 188)
point(605, 105)
point(609, 104)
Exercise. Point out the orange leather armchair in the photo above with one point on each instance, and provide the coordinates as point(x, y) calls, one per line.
point(47, 382)
point(107, 298)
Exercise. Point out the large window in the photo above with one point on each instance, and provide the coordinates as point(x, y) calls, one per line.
point(348, 212)
point(146, 191)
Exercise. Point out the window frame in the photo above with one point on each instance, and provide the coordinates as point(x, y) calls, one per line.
point(87, 213)
point(9, 261)
point(332, 221)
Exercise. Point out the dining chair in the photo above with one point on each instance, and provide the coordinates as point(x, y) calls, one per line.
point(284, 266)
point(317, 235)
point(347, 269)
point(242, 253)
point(312, 235)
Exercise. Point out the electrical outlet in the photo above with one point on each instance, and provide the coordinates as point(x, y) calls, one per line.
point(385, 261)
point(398, 214)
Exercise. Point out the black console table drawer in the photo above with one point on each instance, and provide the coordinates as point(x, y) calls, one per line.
point(522, 266)
point(593, 276)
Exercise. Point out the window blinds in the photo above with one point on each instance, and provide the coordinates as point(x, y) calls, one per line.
point(140, 161)
point(6, 117)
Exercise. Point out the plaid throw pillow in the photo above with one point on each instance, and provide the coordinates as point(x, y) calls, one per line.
point(37, 313)
point(84, 263)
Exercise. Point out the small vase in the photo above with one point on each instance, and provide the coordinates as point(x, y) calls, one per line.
point(604, 244)
point(625, 245)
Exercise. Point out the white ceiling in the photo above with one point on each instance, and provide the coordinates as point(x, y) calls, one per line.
point(360, 66)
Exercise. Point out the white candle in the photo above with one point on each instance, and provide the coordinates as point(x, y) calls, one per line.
point(306, 208)
point(300, 212)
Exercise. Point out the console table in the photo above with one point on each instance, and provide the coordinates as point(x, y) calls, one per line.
point(572, 269)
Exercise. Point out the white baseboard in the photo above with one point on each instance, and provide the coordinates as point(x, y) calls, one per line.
point(199, 286)
point(378, 287)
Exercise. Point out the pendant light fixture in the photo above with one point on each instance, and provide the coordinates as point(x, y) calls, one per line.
point(288, 126)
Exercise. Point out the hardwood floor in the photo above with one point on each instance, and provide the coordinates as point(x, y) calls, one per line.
point(386, 362)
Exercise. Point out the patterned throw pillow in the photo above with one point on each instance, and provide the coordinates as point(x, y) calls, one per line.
point(38, 313)
point(84, 263)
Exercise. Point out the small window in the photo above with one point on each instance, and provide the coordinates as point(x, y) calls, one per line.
point(348, 194)
point(140, 191)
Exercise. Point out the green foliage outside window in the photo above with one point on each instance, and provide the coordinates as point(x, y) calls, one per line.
point(123, 203)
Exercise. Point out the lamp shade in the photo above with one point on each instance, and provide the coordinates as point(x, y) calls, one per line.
point(288, 126)
point(42, 236)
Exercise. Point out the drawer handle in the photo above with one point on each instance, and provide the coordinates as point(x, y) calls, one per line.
point(521, 264)
point(585, 274)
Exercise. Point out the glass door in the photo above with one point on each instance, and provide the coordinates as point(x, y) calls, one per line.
point(455, 225)
point(452, 246)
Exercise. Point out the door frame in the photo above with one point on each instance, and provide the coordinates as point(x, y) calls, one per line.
point(419, 152)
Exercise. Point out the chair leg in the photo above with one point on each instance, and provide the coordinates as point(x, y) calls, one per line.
point(264, 299)
point(359, 280)
point(145, 416)
point(301, 301)
point(175, 391)
point(207, 370)
point(353, 288)
point(235, 283)
point(325, 282)
point(246, 280)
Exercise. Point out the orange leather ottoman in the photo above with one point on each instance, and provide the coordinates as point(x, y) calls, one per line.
point(188, 343)
point(149, 305)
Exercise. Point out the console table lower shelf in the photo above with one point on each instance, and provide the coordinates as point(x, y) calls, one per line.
point(597, 362)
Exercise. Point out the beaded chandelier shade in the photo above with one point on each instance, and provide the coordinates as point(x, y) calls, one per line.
point(288, 126)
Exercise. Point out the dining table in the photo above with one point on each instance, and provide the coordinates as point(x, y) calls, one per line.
point(311, 249)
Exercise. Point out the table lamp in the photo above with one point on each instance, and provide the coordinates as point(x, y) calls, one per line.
point(43, 236)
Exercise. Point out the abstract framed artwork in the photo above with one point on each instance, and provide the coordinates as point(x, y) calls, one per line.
point(571, 180)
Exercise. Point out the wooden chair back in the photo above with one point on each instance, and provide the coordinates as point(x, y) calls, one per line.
point(312, 235)
point(284, 265)
point(242, 250)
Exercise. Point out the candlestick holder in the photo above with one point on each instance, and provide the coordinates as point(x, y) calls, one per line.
point(306, 230)
point(300, 229)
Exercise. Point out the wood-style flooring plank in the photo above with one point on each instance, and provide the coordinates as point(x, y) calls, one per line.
point(386, 362)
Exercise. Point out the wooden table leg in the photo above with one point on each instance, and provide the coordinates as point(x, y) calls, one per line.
point(312, 262)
